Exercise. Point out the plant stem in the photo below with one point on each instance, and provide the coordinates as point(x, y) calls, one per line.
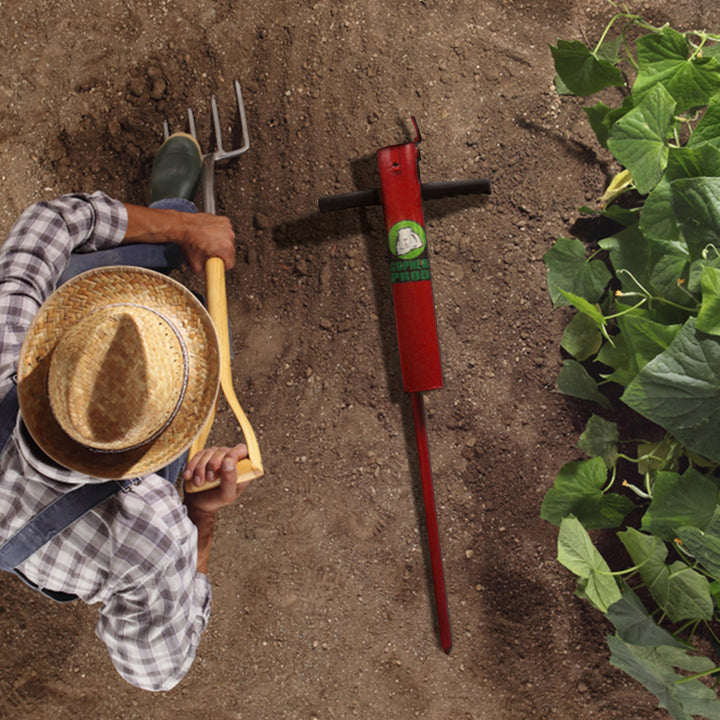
point(627, 310)
point(698, 676)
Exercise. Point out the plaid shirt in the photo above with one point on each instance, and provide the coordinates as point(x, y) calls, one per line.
point(135, 553)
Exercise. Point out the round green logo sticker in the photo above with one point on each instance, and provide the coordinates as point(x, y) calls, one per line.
point(407, 239)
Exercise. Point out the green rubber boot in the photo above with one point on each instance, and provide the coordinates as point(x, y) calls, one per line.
point(177, 168)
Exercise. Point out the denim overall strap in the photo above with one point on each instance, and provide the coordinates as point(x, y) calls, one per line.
point(53, 519)
point(8, 415)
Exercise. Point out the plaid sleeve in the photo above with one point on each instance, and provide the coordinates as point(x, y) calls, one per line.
point(157, 604)
point(36, 252)
point(152, 629)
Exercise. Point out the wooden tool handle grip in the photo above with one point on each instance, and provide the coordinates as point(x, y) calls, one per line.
point(216, 297)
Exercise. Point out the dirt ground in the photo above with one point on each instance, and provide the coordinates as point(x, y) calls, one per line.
point(322, 604)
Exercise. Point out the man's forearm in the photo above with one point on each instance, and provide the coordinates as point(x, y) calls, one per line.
point(205, 525)
point(199, 235)
point(153, 225)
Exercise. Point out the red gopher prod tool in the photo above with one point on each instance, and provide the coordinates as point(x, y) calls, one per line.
point(401, 195)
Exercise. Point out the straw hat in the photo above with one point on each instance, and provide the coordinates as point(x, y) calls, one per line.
point(118, 372)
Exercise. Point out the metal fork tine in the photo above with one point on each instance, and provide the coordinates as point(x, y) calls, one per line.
point(191, 123)
point(220, 152)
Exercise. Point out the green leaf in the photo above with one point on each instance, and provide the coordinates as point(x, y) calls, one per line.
point(704, 545)
point(680, 501)
point(659, 220)
point(578, 554)
point(615, 355)
point(680, 390)
point(696, 271)
point(633, 624)
point(578, 492)
point(630, 251)
point(698, 161)
point(680, 592)
point(664, 58)
point(708, 129)
point(610, 49)
point(574, 380)
point(639, 139)
point(653, 668)
point(645, 339)
point(580, 71)
point(696, 203)
point(643, 548)
point(659, 455)
point(597, 115)
point(581, 337)
point(708, 320)
point(592, 310)
point(659, 223)
point(600, 439)
point(669, 276)
point(569, 270)
point(620, 215)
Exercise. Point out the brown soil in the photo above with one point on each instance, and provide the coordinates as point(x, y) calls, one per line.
point(322, 599)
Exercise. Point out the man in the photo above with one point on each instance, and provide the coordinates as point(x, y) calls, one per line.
point(143, 553)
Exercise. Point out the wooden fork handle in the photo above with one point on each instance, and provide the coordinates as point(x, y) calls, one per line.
point(251, 467)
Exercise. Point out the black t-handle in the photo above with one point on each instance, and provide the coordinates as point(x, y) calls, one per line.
point(429, 191)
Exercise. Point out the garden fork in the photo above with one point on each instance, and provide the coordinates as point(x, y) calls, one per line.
point(251, 467)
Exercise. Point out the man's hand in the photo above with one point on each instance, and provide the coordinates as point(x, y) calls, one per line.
point(200, 236)
point(207, 236)
point(211, 463)
point(202, 507)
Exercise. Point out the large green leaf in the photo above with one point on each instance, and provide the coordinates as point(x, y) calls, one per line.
point(581, 337)
point(659, 455)
point(578, 492)
point(679, 501)
point(597, 115)
point(581, 71)
point(696, 271)
point(680, 592)
point(630, 251)
point(639, 139)
point(578, 554)
point(658, 220)
point(664, 58)
point(575, 380)
point(698, 161)
point(600, 439)
point(569, 270)
point(635, 626)
point(696, 203)
point(704, 545)
point(615, 355)
point(680, 390)
point(645, 339)
point(708, 129)
point(653, 668)
point(708, 320)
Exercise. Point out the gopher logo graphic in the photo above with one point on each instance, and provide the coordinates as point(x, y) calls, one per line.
point(407, 239)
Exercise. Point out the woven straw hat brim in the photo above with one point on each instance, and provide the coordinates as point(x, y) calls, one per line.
point(63, 310)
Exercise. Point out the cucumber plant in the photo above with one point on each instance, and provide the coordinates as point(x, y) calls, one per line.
point(644, 342)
